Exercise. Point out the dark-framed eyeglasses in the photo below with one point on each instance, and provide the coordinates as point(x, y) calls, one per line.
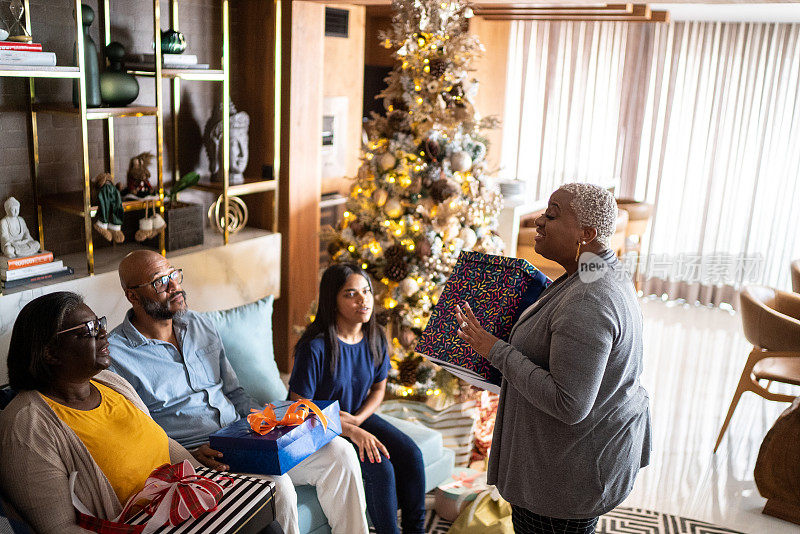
point(92, 327)
point(161, 283)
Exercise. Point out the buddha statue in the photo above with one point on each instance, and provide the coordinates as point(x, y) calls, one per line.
point(15, 239)
point(239, 151)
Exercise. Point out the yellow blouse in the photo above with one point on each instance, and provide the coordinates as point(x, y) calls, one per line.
point(124, 442)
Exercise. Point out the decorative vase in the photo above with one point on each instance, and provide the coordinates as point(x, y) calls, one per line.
point(172, 42)
point(91, 64)
point(117, 87)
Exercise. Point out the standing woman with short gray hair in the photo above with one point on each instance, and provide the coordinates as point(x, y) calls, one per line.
point(573, 421)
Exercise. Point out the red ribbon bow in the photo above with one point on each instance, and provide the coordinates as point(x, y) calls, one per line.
point(264, 421)
point(171, 494)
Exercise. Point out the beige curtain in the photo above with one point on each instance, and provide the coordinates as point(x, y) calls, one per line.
point(707, 129)
point(563, 103)
point(720, 158)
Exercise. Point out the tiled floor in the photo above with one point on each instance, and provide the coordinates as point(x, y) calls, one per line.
point(693, 360)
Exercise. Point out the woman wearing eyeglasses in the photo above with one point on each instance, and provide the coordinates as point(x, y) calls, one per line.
point(72, 416)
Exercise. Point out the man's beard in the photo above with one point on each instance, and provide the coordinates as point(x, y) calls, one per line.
point(160, 310)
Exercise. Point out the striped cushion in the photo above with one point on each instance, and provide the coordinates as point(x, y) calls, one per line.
point(455, 423)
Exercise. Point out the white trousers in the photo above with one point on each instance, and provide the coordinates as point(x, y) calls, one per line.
point(336, 473)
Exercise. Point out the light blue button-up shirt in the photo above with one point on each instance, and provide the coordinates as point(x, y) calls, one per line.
point(190, 393)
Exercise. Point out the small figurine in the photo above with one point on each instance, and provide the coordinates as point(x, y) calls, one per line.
point(109, 214)
point(15, 239)
point(149, 226)
point(139, 175)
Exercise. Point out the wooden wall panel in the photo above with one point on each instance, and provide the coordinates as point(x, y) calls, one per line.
point(301, 127)
point(252, 90)
point(344, 76)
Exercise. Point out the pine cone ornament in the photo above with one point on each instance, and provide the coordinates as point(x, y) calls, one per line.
point(442, 189)
point(438, 67)
point(394, 253)
point(408, 370)
point(398, 121)
point(396, 270)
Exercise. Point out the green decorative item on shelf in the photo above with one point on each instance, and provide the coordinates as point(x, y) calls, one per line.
point(117, 87)
point(91, 64)
point(187, 180)
point(172, 42)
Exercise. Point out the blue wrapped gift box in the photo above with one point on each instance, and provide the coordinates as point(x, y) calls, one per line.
point(277, 451)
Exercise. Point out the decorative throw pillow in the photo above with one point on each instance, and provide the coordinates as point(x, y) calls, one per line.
point(455, 423)
point(246, 333)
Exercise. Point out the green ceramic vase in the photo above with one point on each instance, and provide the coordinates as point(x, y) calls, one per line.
point(117, 87)
point(92, 65)
point(172, 42)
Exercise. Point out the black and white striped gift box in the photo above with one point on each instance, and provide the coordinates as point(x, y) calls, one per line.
point(246, 506)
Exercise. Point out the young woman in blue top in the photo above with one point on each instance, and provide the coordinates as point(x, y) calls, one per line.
point(343, 356)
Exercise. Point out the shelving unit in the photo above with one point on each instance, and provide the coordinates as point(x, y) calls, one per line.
point(78, 203)
point(223, 189)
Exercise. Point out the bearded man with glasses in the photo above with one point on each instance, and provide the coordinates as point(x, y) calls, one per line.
point(175, 360)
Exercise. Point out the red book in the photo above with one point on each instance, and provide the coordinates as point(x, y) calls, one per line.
point(25, 47)
point(27, 261)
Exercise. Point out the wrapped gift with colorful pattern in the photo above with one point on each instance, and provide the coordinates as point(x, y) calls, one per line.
point(498, 289)
point(273, 440)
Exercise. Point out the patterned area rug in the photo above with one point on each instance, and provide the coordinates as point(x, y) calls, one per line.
point(620, 521)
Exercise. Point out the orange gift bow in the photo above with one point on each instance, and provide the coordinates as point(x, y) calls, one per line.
point(263, 421)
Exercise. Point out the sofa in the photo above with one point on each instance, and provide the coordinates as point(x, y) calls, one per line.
point(246, 333)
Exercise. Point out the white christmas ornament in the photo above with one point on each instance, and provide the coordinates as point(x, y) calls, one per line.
point(386, 161)
point(409, 286)
point(460, 161)
point(393, 208)
point(469, 237)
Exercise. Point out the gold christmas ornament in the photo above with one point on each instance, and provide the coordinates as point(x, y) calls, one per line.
point(386, 161)
point(379, 197)
point(460, 161)
point(393, 208)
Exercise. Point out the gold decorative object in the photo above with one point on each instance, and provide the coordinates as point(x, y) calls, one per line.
point(233, 221)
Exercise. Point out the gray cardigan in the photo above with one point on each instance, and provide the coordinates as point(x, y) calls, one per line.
point(573, 422)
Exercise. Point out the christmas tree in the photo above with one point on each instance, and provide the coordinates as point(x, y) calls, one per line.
point(421, 196)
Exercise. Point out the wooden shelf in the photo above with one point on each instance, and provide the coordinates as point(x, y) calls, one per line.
point(97, 113)
point(207, 75)
point(72, 203)
point(250, 186)
point(33, 71)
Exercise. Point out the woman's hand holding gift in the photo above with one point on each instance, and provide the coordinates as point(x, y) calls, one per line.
point(471, 331)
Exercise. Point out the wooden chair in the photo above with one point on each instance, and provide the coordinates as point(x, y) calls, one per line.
point(796, 276)
point(771, 322)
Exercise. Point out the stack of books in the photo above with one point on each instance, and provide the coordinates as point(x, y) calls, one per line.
point(15, 272)
point(29, 54)
point(168, 61)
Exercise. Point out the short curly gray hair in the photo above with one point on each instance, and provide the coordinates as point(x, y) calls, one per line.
point(595, 207)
